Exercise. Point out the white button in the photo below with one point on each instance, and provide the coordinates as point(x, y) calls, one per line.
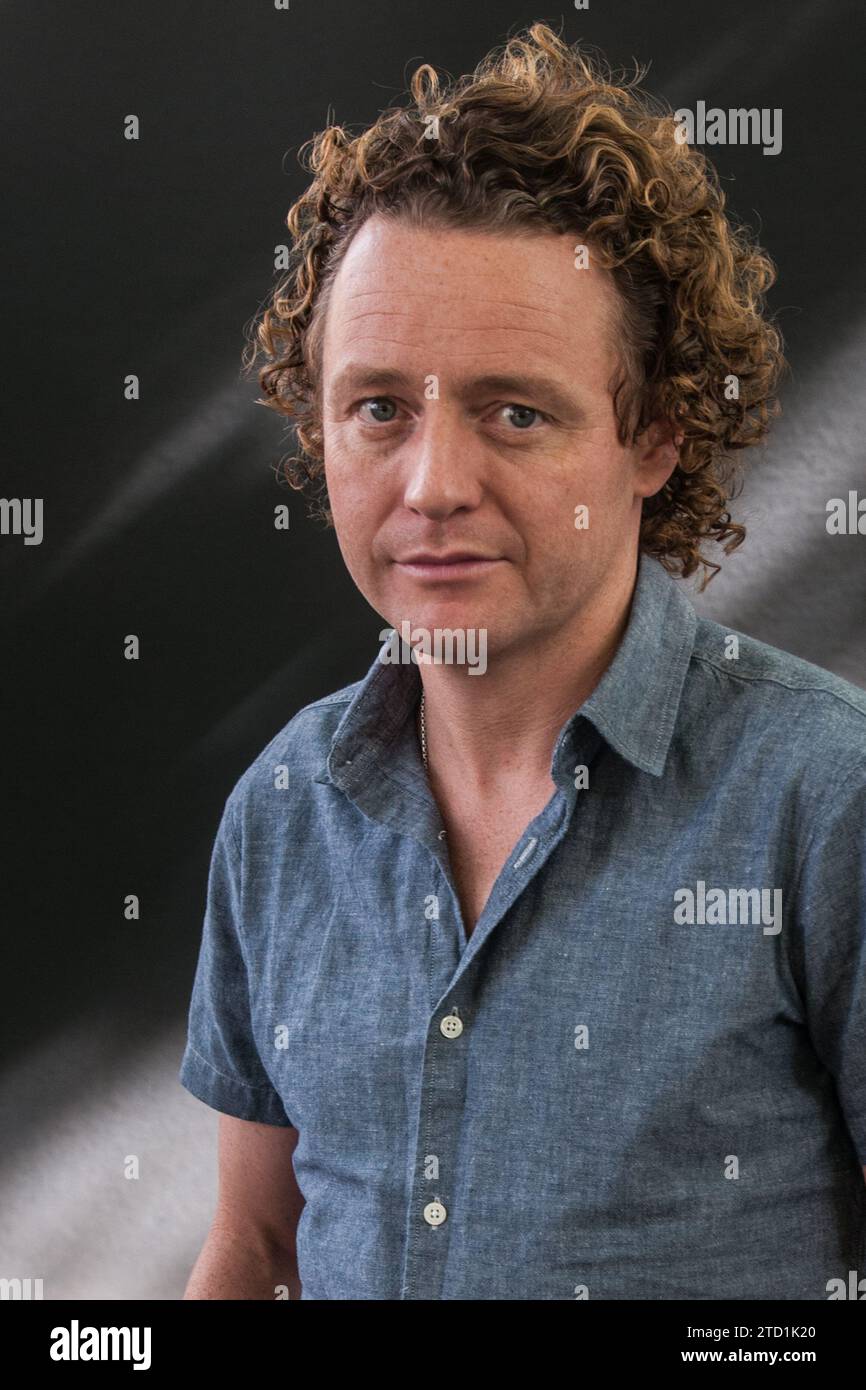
point(434, 1213)
point(451, 1026)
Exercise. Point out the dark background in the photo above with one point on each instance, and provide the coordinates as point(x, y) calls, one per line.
point(152, 257)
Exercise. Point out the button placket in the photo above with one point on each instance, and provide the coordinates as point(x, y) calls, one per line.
point(442, 1097)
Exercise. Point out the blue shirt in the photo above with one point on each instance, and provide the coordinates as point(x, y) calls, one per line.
point(635, 1079)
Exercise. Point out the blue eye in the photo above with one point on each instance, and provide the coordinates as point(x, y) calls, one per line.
point(521, 412)
point(379, 403)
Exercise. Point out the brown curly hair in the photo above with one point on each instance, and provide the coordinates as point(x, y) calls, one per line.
point(542, 136)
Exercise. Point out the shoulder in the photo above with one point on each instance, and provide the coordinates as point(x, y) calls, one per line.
point(776, 702)
point(290, 761)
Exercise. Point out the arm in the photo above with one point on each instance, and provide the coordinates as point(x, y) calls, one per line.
point(250, 1248)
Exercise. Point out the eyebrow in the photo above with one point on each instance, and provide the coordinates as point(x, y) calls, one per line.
point(549, 396)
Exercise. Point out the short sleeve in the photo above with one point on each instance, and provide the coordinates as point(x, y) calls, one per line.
point(832, 918)
point(221, 1064)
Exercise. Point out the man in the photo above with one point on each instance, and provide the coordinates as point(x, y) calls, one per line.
point(551, 984)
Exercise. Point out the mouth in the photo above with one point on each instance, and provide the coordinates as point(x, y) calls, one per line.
point(444, 569)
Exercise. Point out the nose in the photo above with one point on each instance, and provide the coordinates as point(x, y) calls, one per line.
point(443, 464)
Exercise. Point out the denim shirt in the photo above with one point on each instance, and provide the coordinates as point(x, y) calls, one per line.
point(643, 1076)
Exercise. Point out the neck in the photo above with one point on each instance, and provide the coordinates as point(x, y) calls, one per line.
point(491, 732)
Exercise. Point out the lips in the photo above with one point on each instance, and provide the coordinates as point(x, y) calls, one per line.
point(451, 557)
point(448, 566)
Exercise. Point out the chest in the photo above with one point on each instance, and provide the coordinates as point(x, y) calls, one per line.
point(480, 840)
point(475, 869)
point(607, 1056)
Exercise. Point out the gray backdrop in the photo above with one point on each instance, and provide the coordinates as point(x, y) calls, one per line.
point(150, 257)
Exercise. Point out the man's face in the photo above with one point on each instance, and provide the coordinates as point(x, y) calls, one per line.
point(466, 408)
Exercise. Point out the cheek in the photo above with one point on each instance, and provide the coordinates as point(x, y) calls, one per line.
point(337, 473)
point(586, 477)
point(343, 480)
point(356, 511)
point(601, 481)
point(353, 468)
point(580, 509)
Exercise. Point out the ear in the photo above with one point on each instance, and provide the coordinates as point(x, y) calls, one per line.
point(656, 455)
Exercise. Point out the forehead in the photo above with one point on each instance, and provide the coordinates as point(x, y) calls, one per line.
point(429, 299)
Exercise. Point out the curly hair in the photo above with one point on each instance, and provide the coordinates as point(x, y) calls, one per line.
point(545, 136)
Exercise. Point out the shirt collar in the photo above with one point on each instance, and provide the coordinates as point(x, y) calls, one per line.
point(635, 704)
point(633, 707)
